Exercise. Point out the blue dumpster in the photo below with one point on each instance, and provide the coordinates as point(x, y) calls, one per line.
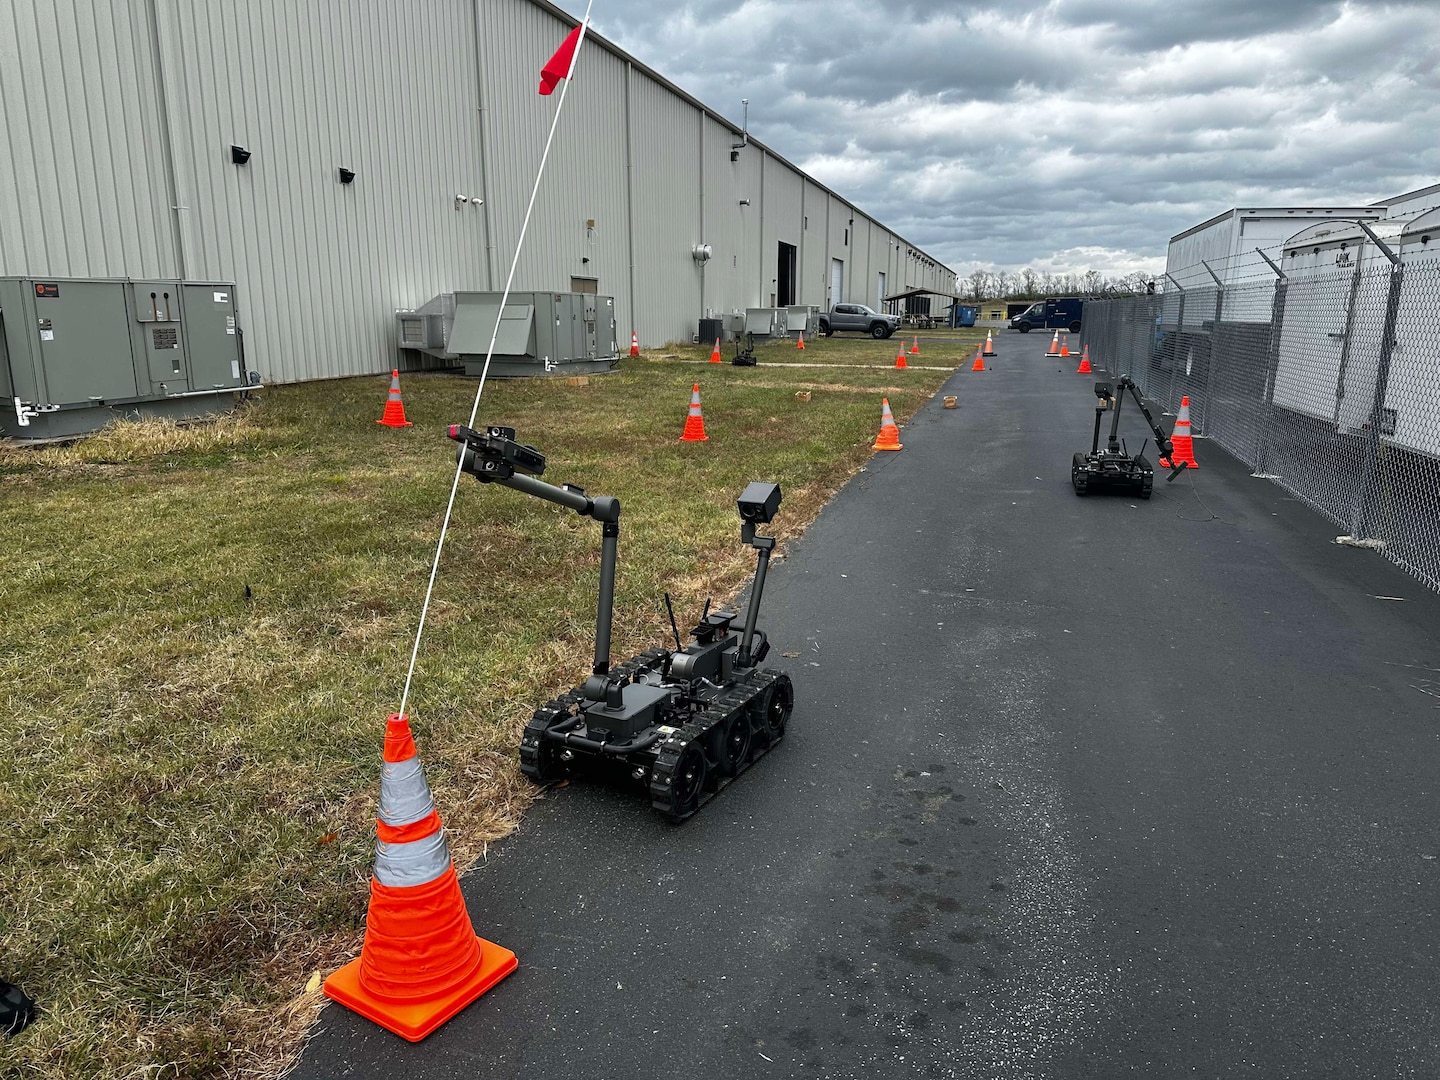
point(962, 315)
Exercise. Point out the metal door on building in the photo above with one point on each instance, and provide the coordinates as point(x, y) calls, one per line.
point(837, 282)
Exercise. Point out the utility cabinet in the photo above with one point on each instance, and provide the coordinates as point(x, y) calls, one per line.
point(77, 354)
point(539, 333)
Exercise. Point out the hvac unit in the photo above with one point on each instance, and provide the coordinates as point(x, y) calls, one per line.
point(77, 354)
point(539, 333)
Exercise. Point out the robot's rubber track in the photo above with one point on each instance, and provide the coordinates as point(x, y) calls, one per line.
point(741, 697)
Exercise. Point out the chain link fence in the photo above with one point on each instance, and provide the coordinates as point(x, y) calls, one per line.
point(1326, 381)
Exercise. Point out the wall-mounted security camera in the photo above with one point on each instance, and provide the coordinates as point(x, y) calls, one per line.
point(460, 201)
point(347, 176)
point(477, 202)
point(744, 202)
point(239, 155)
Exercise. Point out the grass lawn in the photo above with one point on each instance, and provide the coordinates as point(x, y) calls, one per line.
point(205, 628)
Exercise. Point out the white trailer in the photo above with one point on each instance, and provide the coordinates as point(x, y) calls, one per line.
point(1332, 337)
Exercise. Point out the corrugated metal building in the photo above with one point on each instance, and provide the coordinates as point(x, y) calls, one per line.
point(119, 117)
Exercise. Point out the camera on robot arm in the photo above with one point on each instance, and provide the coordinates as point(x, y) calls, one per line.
point(680, 724)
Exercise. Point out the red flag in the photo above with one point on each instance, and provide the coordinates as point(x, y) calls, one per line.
point(558, 66)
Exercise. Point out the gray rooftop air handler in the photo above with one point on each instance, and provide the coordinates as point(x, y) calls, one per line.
point(540, 333)
point(76, 354)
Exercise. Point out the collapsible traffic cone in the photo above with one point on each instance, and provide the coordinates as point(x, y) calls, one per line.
point(1181, 439)
point(889, 437)
point(422, 961)
point(1054, 349)
point(801, 343)
point(1084, 368)
point(394, 408)
point(715, 352)
point(915, 348)
point(634, 343)
point(1065, 345)
point(900, 359)
point(979, 364)
point(989, 349)
point(695, 422)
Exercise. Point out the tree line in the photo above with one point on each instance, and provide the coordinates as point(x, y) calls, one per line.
point(1029, 283)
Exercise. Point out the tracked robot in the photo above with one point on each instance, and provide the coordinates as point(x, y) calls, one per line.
point(1113, 468)
point(680, 724)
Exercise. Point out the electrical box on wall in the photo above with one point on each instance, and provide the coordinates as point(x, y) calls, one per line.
point(77, 354)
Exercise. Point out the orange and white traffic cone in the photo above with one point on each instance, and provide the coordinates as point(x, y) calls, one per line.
point(989, 349)
point(422, 961)
point(889, 437)
point(394, 415)
point(800, 344)
point(900, 359)
point(715, 352)
point(979, 364)
point(1182, 440)
point(695, 421)
point(1084, 368)
point(1065, 345)
point(915, 348)
point(634, 343)
point(1054, 349)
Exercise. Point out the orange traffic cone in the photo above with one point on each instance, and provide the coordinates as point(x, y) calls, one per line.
point(715, 352)
point(900, 359)
point(1054, 349)
point(422, 961)
point(915, 348)
point(801, 343)
point(989, 349)
point(394, 415)
point(1084, 368)
point(695, 422)
point(1065, 345)
point(634, 343)
point(979, 364)
point(1181, 439)
point(889, 437)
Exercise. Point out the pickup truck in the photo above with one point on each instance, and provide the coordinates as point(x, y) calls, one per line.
point(1052, 314)
point(858, 317)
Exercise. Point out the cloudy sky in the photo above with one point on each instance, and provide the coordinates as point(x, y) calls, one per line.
point(1070, 135)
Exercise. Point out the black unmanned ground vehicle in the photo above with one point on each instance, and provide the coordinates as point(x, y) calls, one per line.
point(680, 724)
point(1114, 468)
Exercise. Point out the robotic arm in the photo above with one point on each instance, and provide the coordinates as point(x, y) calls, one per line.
point(1110, 400)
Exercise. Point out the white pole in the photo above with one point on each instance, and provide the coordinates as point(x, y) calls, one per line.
point(489, 353)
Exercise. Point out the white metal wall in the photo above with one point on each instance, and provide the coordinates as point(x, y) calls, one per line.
point(118, 117)
point(782, 222)
point(814, 258)
point(83, 186)
point(665, 135)
point(309, 88)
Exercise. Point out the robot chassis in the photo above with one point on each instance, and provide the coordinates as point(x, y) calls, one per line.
point(680, 724)
point(1114, 467)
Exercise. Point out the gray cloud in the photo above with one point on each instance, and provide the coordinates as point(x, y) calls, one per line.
point(1038, 132)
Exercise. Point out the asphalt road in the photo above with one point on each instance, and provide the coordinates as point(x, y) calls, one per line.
point(1073, 788)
